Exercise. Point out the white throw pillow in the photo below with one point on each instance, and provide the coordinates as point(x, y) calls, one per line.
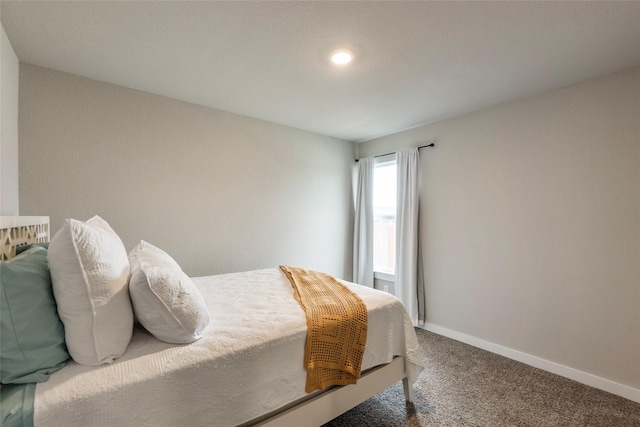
point(90, 276)
point(165, 300)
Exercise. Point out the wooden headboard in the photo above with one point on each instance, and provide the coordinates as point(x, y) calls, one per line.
point(17, 231)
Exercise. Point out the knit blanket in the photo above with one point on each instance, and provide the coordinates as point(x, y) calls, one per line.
point(336, 328)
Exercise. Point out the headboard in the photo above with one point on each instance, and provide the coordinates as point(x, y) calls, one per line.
point(17, 231)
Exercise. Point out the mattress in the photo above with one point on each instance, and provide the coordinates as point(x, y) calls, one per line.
point(249, 362)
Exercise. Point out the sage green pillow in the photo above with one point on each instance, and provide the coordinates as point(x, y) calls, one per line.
point(24, 248)
point(32, 345)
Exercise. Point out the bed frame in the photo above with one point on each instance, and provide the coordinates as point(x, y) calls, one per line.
point(313, 410)
point(16, 231)
point(321, 408)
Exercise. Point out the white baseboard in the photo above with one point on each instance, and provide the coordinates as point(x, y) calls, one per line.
point(537, 362)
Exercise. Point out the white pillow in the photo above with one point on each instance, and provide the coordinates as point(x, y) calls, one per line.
point(90, 273)
point(165, 300)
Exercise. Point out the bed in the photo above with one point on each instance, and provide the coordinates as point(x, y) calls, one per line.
point(246, 370)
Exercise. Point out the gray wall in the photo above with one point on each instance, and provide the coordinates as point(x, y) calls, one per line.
point(9, 75)
point(218, 191)
point(531, 214)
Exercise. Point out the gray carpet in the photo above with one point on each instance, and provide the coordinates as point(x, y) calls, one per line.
point(465, 386)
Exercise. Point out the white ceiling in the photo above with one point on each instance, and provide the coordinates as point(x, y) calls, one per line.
point(417, 62)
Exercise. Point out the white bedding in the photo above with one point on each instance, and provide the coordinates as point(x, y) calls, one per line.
point(248, 363)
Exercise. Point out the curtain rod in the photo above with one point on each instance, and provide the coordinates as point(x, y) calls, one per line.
point(433, 144)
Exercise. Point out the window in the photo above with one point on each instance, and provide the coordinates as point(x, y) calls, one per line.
point(384, 216)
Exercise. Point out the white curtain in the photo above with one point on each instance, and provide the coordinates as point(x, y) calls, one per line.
point(363, 224)
point(409, 284)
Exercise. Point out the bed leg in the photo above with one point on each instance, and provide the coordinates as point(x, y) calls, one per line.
point(408, 390)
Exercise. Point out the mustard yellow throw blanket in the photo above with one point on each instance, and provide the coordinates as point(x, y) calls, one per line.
point(336, 328)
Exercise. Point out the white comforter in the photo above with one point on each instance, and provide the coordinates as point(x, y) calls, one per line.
point(249, 363)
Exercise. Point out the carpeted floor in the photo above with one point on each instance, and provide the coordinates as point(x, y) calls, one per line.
point(465, 386)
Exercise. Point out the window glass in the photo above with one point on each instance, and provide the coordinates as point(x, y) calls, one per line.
point(384, 216)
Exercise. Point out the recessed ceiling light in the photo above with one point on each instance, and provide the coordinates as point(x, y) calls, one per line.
point(341, 56)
